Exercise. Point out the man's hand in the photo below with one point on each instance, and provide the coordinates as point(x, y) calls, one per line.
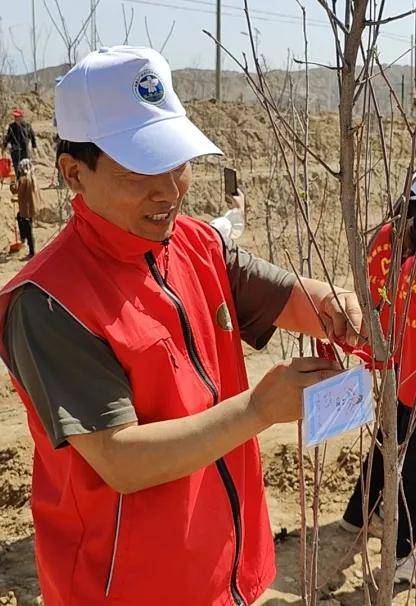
point(343, 322)
point(278, 397)
point(343, 317)
point(237, 201)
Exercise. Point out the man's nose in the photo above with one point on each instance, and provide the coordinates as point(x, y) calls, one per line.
point(166, 188)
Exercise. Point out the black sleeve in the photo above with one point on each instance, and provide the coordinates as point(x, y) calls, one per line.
point(32, 137)
point(260, 291)
point(8, 137)
point(72, 377)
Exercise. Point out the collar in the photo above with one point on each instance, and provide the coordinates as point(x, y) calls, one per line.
point(109, 239)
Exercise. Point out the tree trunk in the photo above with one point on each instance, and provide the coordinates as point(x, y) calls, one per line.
point(358, 262)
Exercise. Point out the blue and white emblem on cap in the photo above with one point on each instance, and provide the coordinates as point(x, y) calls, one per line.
point(148, 87)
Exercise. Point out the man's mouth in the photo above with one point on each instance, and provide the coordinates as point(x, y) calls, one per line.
point(161, 218)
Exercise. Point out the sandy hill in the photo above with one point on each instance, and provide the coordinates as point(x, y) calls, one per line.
point(200, 84)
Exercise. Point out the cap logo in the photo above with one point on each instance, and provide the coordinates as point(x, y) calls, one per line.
point(148, 87)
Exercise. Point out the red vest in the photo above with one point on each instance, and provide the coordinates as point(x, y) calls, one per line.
point(203, 540)
point(379, 262)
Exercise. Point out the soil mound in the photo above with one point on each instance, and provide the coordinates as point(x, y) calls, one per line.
point(15, 472)
point(282, 471)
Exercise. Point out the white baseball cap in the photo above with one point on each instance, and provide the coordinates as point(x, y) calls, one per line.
point(122, 99)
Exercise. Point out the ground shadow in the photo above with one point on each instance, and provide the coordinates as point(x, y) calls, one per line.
point(337, 552)
point(18, 571)
point(5, 257)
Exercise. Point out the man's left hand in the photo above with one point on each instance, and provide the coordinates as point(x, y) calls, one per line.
point(334, 317)
point(340, 317)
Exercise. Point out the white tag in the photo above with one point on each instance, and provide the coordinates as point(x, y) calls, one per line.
point(336, 405)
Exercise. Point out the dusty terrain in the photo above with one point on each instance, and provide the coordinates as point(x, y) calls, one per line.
point(244, 135)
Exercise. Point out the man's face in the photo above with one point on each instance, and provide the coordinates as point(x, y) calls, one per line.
point(18, 119)
point(144, 205)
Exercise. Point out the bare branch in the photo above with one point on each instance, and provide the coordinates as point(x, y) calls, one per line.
point(332, 67)
point(84, 25)
point(127, 26)
point(71, 43)
point(51, 17)
point(63, 21)
point(410, 130)
point(332, 16)
point(168, 37)
point(269, 103)
point(148, 32)
point(406, 52)
point(19, 50)
point(390, 19)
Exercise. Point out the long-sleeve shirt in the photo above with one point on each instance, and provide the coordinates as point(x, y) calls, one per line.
point(18, 135)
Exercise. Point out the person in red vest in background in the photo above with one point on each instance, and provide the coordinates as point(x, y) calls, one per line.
point(123, 337)
point(19, 136)
point(379, 263)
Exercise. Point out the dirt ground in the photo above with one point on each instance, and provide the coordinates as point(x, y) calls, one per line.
point(245, 138)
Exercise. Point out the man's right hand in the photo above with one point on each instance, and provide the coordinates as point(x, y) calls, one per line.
point(237, 201)
point(134, 457)
point(277, 398)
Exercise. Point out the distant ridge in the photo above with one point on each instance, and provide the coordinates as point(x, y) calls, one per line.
point(193, 83)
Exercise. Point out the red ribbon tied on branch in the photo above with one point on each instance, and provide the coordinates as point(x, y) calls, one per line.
point(327, 352)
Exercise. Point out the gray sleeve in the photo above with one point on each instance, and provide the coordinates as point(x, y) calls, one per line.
point(260, 291)
point(72, 377)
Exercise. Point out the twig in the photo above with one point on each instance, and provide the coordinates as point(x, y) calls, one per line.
point(332, 16)
point(168, 37)
point(148, 32)
point(129, 25)
point(406, 52)
point(270, 104)
point(390, 19)
point(331, 67)
point(396, 99)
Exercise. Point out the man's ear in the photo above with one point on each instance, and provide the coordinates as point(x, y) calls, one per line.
point(70, 169)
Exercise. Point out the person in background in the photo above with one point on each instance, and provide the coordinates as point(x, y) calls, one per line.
point(19, 136)
point(27, 195)
point(405, 363)
point(232, 224)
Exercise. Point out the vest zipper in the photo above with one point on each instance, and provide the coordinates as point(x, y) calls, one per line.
point(220, 463)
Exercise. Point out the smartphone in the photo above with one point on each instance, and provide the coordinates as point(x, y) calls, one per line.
point(230, 180)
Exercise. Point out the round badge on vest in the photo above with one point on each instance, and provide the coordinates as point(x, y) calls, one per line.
point(224, 318)
point(149, 88)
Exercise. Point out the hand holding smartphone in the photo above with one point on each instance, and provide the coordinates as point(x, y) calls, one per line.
point(230, 181)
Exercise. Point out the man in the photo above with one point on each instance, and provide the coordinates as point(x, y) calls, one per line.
point(19, 135)
point(123, 338)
